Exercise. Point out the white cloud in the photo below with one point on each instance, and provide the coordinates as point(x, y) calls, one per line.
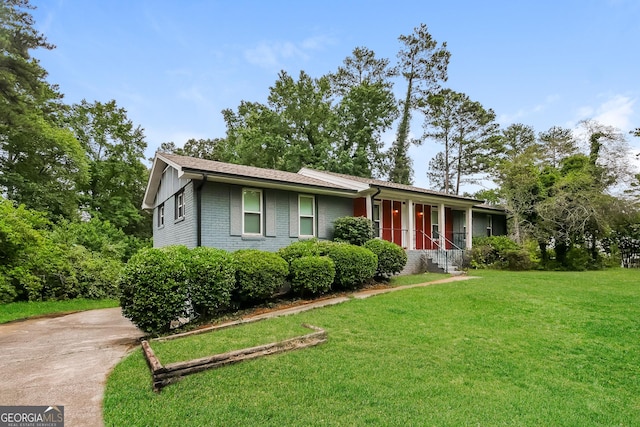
point(193, 94)
point(506, 119)
point(616, 112)
point(270, 55)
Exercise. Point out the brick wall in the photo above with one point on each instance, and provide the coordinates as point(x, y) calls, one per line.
point(176, 232)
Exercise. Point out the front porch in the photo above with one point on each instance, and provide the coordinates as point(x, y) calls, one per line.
point(420, 224)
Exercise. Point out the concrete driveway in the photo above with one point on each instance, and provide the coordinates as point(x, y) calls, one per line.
point(64, 361)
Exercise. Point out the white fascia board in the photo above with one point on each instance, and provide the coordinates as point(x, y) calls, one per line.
point(424, 198)
point(155, 175)
point(261, 183)
point(337, 180)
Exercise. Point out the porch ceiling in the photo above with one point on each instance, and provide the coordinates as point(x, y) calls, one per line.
point(427, 199)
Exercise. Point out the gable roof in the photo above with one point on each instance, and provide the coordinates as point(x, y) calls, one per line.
point(306, 180)
point(199, 169)
point(372, 183)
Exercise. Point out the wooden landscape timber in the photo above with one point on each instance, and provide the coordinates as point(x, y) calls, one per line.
point(165, 375)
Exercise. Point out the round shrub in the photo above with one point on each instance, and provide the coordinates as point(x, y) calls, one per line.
point(299, 249)
point(153, 289)
point(354, 230)
point(211, 276)
point(312, 274)
point(355, 265)
point(391, 257)
point(259, 274)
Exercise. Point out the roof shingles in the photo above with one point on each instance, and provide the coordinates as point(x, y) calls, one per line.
point(230, 169)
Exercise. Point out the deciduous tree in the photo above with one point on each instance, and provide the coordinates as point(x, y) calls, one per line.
point(366, 107)
point(41, 164)
point(115, 151)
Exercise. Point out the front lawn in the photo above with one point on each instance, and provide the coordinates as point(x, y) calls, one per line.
point(531, 348)
point(24, 310)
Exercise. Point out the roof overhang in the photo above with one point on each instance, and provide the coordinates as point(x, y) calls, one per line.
point(337, 180)
point(160, 163)
point(426, 198)
point(196, 174)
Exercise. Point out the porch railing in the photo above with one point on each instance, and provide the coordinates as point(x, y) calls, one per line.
point(444, 258)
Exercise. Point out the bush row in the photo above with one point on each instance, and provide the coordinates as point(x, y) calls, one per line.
point(41, 261)
point(500, 252)
point(159, 286)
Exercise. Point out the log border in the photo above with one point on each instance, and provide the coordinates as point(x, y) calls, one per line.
point(163, 375)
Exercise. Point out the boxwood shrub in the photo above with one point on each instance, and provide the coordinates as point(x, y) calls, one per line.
point(391, 257)
point(299, 249)
point(355, 265)
point(312, 274)
point(354, 230)
point(211, 276)
point(259, 274)
point(153, 288)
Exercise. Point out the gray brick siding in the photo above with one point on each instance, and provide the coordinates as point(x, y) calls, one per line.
point(221, 224)
point(176, 232)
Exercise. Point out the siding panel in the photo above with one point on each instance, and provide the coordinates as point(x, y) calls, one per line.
point(235, 211)
point(270, 214)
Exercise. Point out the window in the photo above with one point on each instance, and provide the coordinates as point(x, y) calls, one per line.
point(251, 211)
point(434, 224)
point(179, 205)
point(377, 224)
point(161, 215)
point(306, 208)
point(489, 226)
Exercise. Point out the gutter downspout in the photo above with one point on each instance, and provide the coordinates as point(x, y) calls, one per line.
point(373, 204)
point(373, 201)
point(199, 210)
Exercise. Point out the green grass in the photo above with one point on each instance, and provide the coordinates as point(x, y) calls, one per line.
point(414, 279)
point(24, 310)
point(533, 348)
point(196, 346)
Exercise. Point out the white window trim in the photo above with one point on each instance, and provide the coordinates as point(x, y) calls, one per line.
point(313, 215)
point(378, 206)
point(180, 206)
point(260, 213)
point(161, 216)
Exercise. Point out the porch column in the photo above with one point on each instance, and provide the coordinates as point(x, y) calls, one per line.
point(469, 236)
point(369, 206)
point(411, 243)
point(441, 226)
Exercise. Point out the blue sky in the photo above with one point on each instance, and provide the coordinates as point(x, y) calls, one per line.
point(174, 65)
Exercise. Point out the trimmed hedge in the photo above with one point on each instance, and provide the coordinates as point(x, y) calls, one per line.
point(391, 257)
point(259, 274)
point(355, 265)
point(299, 249)
point(354, 230)
point(211, 275)
point(312, 274)
point(153, 288)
